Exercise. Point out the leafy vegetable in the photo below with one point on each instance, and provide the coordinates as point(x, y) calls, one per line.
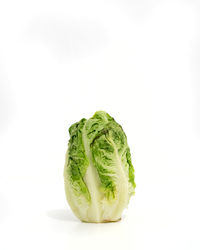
point(98, 172)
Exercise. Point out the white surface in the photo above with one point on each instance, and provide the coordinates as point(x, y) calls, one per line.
point(63, 60)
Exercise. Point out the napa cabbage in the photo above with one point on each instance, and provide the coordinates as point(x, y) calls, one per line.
point(98, 173)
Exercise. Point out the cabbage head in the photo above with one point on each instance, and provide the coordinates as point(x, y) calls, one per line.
point(98, 172)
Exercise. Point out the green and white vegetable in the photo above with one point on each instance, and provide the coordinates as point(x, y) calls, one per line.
point(98, 172)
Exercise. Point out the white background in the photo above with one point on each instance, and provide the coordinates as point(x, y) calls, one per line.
point(61, 61)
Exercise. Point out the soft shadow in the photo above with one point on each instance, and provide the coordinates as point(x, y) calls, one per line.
point(6, 101)
point(96, 229)
point(67, 37)
point(61, 214)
